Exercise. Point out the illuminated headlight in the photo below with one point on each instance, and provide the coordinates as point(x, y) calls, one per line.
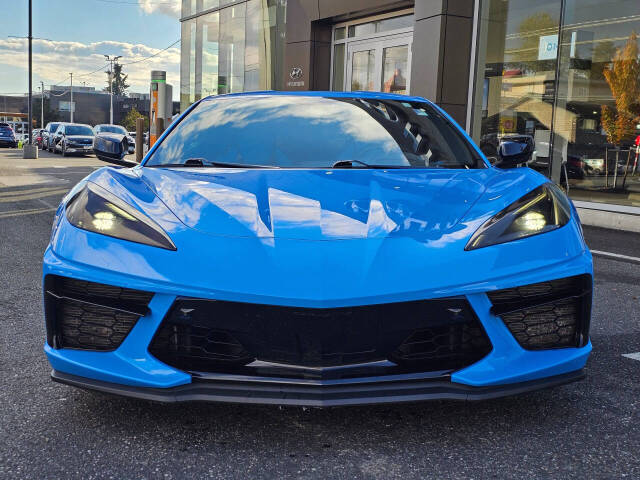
point(96, 210)
point(544, 209)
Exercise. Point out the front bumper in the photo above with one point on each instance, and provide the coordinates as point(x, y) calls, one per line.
point(132, 371)
point(80, 149)
point(230, 389)
point(8, 143)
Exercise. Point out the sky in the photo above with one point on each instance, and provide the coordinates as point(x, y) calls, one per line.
point(73, 36)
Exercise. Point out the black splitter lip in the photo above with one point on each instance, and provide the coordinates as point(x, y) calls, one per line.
point(377, 391)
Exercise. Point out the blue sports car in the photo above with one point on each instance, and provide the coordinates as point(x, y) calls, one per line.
point(317, 249)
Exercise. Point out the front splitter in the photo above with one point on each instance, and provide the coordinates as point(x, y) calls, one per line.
point(298, 394)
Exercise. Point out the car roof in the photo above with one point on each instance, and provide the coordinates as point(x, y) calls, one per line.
point(327, 94)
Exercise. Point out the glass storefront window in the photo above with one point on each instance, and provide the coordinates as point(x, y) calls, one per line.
point(187, 64)
point(188, 7)
point(262, 31)
point(394, 64)
point(572, 88)
point(363, 70)
point(378, 26)
point(208, 32)
point(231, 49)
point(373, 55)
point(597, 114)
point(338, 67)
point(516, 74)
point(231, 57)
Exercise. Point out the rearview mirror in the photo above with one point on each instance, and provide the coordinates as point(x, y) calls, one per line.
point(512, 154)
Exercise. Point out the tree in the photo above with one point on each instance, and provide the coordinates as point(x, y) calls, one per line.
point(129, 121)
point(118, 81)
point(623, 77)
point(49, 115)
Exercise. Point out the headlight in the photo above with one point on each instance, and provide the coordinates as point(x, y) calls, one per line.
point(96, 210)
point(544, 209)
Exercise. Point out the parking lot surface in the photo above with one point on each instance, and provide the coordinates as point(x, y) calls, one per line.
point(589, 429)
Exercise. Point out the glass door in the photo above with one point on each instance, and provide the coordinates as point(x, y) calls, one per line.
point(379, 65)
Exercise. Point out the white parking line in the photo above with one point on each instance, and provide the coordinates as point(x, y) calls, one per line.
point(616, 256)
point(632, 356)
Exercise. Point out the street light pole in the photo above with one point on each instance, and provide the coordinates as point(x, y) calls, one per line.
point(42, 106)
point(30, 113)
point(71, 103)
point(111, 60)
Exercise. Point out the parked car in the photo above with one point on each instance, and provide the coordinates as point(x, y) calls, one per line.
point(318, 249)
point(73, 138)
point(7, 136)
point(112, 141)
point(47, 135)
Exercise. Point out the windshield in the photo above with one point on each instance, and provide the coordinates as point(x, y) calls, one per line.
point(78, 130)
point(53, 127)
point(113, 129)
point(316, 132)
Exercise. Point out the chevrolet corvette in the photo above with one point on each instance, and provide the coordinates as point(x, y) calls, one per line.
point(317, 249)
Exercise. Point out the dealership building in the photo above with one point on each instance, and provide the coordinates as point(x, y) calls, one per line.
point(554, 72)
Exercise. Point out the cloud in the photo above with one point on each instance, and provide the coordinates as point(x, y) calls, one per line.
point(167, 7)
point(53, 60)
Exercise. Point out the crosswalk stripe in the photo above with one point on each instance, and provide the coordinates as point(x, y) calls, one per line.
point(19, 213)
point(32, 196)
point(30, 190)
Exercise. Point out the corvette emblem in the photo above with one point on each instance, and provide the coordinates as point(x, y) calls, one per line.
point(187, 310)
point(455, 311)
point(296, 73)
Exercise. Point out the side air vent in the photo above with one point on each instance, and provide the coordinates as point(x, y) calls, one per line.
point(90, 316)
point(545, 315)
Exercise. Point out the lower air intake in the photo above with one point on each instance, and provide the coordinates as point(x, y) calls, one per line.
point(221, 337)
point(90, 316)
point(545, 315)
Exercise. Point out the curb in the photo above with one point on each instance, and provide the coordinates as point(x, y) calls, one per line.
point(614, 217)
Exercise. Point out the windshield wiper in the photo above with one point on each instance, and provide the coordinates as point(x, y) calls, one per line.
point(201, 162)
point(350, 164)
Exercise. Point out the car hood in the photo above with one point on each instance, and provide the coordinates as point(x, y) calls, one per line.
point(319, 204)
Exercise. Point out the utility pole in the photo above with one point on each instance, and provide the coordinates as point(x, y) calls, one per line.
point(71, 103)
point(42, 106)
point(111, 61)
point(30, 150)
point(30, 71)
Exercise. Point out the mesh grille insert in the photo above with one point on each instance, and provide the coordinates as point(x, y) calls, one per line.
point(90, 316)
point(220, 337)
point(553, 314)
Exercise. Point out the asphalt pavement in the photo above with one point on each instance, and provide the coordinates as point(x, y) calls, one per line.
point(588, 429)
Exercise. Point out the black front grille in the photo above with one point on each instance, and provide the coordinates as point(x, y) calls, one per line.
point(90, 316)
point(553, 314)
point(219, 336)
point(444, 347)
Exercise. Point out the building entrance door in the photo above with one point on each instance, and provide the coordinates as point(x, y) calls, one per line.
point(379, 65)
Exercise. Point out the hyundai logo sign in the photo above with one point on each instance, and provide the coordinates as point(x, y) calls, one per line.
point(296, 73)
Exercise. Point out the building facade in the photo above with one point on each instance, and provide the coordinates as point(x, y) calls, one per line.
point(563, 73)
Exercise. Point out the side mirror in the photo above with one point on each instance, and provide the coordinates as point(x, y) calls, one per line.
point(512, 154)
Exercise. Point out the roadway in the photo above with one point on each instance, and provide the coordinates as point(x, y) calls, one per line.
point(588, 429)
